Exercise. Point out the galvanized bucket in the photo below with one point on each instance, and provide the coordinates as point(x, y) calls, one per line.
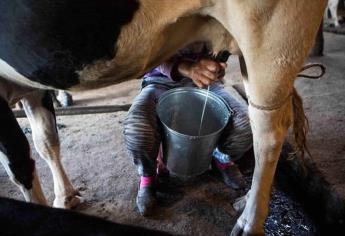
point(185, 152)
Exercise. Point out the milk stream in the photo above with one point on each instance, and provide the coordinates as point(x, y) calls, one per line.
point(203, 111)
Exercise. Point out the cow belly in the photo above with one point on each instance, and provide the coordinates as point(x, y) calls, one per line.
point(9, 73)
point(47, 41)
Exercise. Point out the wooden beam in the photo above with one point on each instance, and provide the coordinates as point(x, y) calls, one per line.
point(72, 111)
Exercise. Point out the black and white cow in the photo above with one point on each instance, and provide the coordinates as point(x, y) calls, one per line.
point(336, 11)
point(19, 218)
point(48, 42)
point(15, 150)
point(43, 44)
point(86, 44)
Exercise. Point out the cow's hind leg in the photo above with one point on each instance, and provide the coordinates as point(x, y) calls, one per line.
point(15, 156)
point(274, 51)
point(40, 112)
point(269, 130)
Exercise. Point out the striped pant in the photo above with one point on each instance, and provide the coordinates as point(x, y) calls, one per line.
point(143, 131)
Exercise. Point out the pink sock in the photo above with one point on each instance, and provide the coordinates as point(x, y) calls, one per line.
point(146, 181)
point(161, 168)
point(223, 166)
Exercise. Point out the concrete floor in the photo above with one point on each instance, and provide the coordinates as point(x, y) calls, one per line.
point(324, 102)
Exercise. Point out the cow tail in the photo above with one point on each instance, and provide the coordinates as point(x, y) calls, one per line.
point(300, 126)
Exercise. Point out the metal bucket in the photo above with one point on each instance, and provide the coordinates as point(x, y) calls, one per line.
point(185, 152)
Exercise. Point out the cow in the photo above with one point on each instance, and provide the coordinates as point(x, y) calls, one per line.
point(78, 45)
point(15, 150)
point(19, 218)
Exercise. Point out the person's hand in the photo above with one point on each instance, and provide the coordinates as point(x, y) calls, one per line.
point(203, 72)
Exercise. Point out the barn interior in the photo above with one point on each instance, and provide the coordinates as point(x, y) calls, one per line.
point(304, 201)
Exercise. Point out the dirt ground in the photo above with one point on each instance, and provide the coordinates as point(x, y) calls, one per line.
point(96, 161)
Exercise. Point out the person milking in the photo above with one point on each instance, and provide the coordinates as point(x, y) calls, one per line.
point(190, 67)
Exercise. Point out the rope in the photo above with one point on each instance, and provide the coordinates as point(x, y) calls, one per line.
point(311, 65)
point(301, 75)
point(270, 108)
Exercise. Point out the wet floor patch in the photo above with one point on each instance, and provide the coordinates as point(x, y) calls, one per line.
point(207, 199)
point(287, 217)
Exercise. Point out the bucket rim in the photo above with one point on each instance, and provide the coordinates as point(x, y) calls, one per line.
point(200, 91)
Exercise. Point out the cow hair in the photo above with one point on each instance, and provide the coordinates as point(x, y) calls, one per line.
point(300, 126)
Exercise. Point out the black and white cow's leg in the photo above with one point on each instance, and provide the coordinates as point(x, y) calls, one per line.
point(334, 7)
point(64, 98)
point(61, 98)
point(15, 156)
point(39, 109)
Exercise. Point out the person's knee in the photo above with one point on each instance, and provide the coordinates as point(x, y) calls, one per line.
point(141, 132)
point(141, 123)
point(140, 114)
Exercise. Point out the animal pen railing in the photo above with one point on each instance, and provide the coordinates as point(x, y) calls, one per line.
point(70, 111)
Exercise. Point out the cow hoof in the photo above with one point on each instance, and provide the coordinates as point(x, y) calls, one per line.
point(68, 202)
point(238, 231)
point(341, 21)
point(240, 203)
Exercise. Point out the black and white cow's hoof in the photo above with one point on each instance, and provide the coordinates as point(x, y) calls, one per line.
point(65, 99)
point(68, 202)
point(341, 21)
point(238, 231)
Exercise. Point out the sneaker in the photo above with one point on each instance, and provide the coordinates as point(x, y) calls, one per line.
point(231, 175)
point(146, 200)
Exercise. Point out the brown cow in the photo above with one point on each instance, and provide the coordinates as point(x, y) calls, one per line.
point(79, 45)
